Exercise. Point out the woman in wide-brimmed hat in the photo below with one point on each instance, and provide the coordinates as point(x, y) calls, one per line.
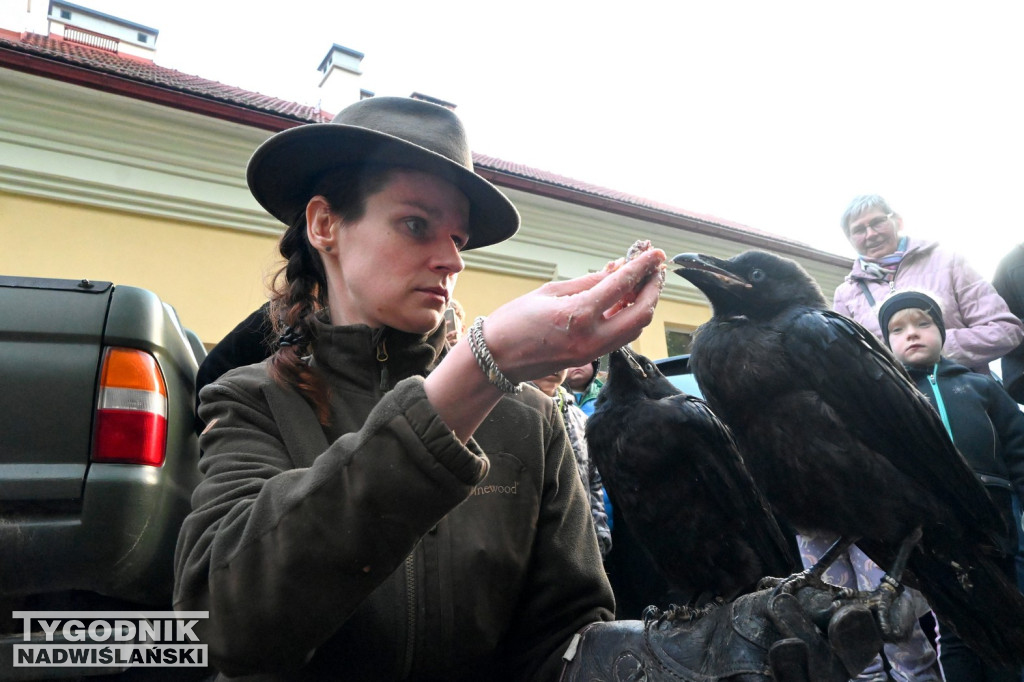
point(375, 504)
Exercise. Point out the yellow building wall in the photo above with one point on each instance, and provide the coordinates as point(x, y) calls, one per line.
point(481, 291)
point(213, 277)
point(669, 315)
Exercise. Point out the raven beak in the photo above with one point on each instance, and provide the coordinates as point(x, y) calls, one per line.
point(633, 362)
point(703, 270)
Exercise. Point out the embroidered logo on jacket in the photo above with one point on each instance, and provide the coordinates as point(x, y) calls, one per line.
point(499, 489)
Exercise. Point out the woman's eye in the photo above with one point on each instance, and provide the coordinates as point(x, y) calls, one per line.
point(460, 242)
point(418, 226)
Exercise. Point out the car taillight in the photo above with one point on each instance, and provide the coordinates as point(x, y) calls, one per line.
point(131, 413)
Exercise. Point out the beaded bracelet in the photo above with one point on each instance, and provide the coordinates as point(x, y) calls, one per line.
point(486, 361)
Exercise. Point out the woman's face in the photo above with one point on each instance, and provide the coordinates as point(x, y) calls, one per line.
point(397, 265)
point(875, 234)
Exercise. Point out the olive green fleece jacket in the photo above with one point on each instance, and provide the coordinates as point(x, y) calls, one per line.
point(380, 547)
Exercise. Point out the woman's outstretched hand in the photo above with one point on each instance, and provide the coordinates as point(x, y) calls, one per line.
point(559, 325)
point(567, 324)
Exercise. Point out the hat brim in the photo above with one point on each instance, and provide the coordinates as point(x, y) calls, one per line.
point(283, 171)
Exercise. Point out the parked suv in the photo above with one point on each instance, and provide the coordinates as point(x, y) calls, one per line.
point(677, 370)
point(98, 456)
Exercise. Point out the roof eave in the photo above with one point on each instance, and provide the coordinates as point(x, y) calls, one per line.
point(692, 224)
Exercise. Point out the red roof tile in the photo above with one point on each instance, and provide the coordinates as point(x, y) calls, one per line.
point(145, 71)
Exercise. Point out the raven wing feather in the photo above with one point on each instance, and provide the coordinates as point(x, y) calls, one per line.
point(882, 407)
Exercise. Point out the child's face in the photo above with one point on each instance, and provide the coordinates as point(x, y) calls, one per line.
point(915, 338)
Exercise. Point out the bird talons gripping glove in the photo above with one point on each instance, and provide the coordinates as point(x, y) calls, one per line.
point(765, 635)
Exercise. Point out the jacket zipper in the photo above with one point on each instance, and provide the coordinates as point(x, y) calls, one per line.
point(938, 400)
point(382, 358)
point(410, 614)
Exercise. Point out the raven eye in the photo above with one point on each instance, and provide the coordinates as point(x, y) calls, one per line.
point(757, 276)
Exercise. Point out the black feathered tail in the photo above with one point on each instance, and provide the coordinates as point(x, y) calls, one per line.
point(978, 600)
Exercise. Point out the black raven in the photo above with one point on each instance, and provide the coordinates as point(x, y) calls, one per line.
point(839, 440)
point(673, 471)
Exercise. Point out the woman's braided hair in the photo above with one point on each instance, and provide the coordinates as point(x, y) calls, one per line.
point(299, 288)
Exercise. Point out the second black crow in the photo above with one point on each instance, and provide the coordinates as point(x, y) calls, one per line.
point(673, 472)
point(840, 440)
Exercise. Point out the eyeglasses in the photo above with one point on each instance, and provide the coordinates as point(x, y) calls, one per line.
point(874, 224)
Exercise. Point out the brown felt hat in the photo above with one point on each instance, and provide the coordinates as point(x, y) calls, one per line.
point(390, 131)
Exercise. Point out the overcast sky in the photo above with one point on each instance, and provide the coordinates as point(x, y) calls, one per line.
point(770, 114)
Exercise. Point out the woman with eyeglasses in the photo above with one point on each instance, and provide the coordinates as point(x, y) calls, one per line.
point(979, 326)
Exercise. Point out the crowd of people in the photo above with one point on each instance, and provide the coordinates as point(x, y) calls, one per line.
point(388, 489)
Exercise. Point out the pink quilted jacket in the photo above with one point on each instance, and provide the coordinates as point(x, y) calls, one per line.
point(979, 326)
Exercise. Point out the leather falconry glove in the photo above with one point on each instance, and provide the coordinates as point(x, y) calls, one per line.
point(760, 636)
